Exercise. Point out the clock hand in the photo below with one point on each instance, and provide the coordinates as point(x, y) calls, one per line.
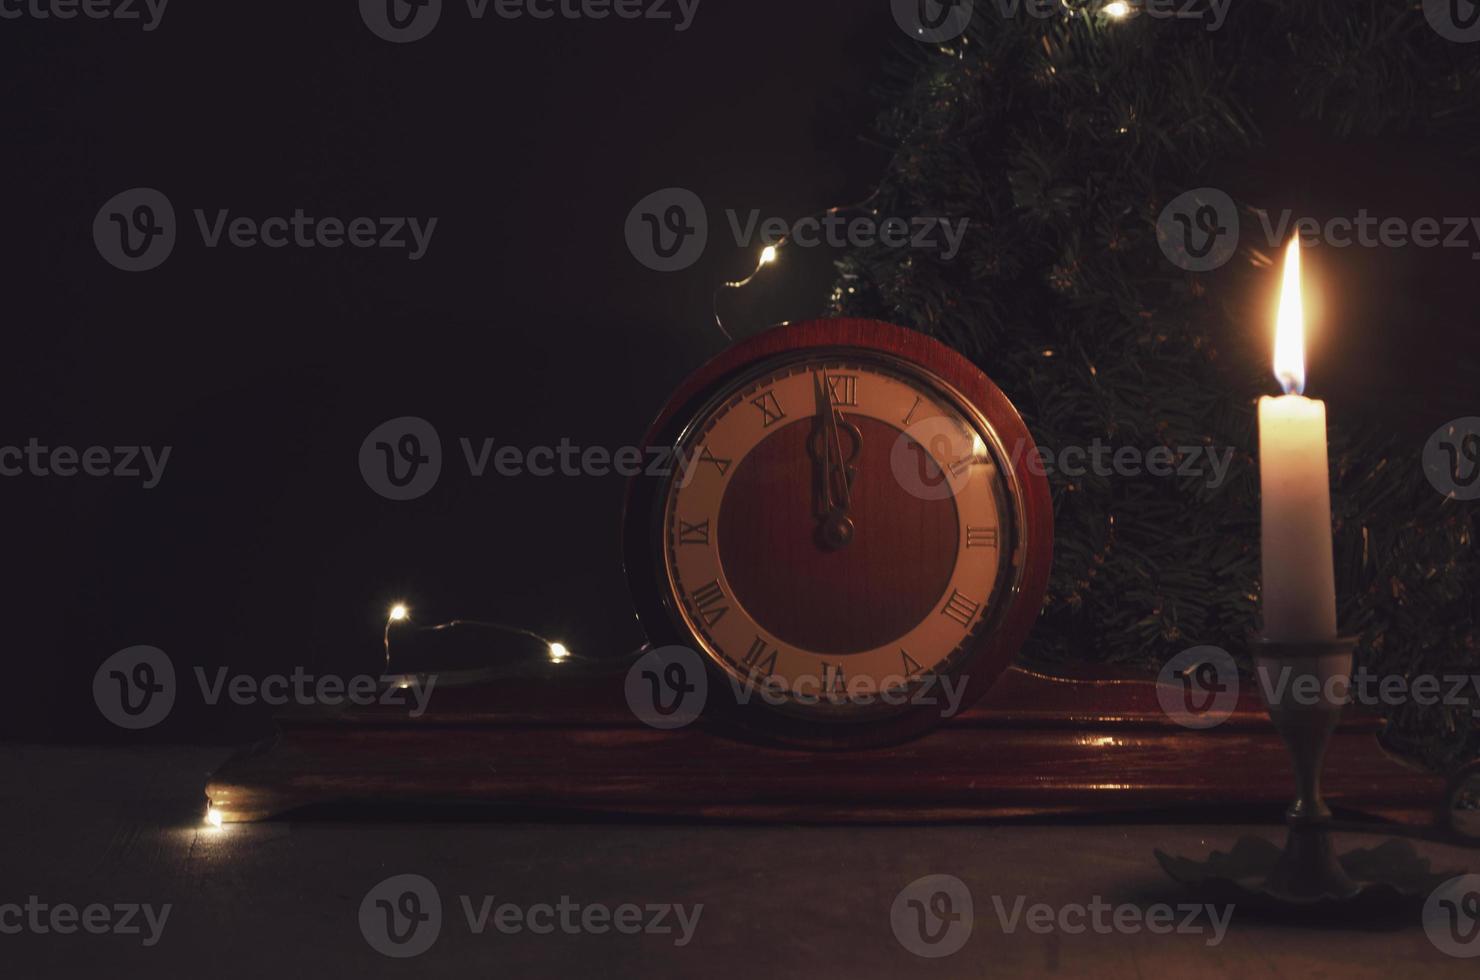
point(835, 444)
point(822, 457)
point(836, 530)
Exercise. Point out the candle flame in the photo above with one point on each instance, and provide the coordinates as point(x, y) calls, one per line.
point(1289, 334)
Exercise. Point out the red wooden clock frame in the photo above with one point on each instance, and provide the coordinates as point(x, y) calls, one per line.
point(990, 651)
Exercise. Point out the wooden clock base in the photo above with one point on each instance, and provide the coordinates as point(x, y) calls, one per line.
point(1092, 744)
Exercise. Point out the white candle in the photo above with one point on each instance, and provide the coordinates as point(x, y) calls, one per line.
point(1295, 492)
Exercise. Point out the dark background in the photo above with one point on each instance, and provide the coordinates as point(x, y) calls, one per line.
point(527, 321)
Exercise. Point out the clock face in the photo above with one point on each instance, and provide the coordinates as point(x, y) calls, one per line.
point(840, 532)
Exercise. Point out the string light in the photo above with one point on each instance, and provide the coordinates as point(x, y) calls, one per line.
point(398, 614)
point(1116, 10)
point(555, 651)
point(772, 252)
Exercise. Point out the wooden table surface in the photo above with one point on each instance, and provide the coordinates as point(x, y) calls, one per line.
point(282, 899)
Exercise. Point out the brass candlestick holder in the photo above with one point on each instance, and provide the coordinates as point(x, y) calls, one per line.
point(1305, 687)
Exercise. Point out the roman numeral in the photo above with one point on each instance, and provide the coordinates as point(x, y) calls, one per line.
point(834, 681)
point(693, 533)
point(844, 388)
point(709, 601)
point(959, 608)
point(720, 464)
point(912, 410)
point(771, 412)
point(981, 537)
point(912, 667)
point(758, 661)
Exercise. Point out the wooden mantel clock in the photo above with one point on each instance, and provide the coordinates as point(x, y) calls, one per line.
point(850, 522)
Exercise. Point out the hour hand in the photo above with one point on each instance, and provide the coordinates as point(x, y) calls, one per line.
point(819, 447)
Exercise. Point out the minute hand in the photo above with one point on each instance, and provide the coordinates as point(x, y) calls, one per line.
point(835, 445)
